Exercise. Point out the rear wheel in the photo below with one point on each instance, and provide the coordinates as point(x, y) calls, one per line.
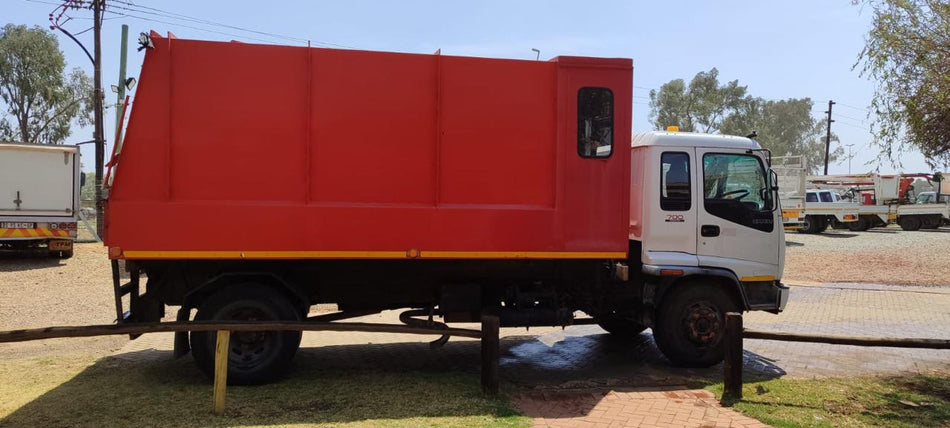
point(909, 222)
point(254, 356)
point(690, 324)
point(931, 222)
point(859, 226)
point(812, 224)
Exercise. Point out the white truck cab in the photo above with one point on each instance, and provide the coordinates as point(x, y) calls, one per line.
point(708, 228)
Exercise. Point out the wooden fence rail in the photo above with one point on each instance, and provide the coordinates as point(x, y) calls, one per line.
point(490, 351)
point(732, 364)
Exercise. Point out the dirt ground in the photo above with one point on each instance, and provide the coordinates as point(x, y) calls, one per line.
point(880, 256)
point(39, 292)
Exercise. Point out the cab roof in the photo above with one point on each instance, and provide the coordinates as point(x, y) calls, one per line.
point(692, 139)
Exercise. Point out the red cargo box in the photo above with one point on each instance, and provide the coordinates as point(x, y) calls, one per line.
point(251, 151)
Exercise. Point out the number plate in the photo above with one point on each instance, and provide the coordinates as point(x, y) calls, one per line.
point(60, 245)
point(17, 225)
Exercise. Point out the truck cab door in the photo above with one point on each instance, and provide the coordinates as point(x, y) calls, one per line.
point(739, 224)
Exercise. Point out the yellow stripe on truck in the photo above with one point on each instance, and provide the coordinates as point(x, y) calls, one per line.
point(423, 254)
point(757, 278)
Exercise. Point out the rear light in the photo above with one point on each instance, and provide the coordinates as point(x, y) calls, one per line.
point(115, 252)
point(67, 226)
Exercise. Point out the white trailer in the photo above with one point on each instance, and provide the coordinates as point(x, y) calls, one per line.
point(39, 198)
point(791, 187)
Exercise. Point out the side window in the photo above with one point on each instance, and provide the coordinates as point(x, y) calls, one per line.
point(826, 197)
point(674, 182)
point(735, 189)
point(595, 122)
point(811, 197)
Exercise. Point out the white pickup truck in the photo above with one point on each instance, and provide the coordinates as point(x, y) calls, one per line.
point(39, 199)
point(824, 208)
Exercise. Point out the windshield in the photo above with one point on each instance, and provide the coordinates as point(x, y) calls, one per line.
point(736, 177)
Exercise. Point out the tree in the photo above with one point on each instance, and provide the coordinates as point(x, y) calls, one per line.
point(786, 127)
point(906, 52)
point(42, 101)
point(699, 107)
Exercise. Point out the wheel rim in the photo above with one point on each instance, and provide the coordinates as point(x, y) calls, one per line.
point(702, 324)
point(248, 349)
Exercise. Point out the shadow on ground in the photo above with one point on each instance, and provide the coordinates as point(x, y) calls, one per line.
point(838, 235)
point(16, 263)
point(353, 383)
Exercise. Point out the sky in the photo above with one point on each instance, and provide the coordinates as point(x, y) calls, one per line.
point(779, 50)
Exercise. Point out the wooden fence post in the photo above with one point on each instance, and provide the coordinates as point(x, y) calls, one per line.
point(221, 352)
point(732, 364)
point(490, 354)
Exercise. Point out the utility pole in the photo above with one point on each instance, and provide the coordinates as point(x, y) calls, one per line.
point(120, 93)
point(97, 6)
point(828, 137)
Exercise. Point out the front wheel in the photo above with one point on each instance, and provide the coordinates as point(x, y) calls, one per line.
point(691, 323)
point(254, 356)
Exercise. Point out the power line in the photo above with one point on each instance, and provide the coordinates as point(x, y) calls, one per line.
point(852, 118)
point(147, 10)
point(852, 125)
point(188, 26)
point(853, 107)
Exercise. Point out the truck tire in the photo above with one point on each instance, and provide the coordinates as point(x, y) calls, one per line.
point(254, 357)
point(621, 327)
point(812, 224)
point(909, 222)
point(860, 226)
point(691, 323)
point(931, 222)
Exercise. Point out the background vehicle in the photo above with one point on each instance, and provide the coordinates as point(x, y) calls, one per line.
point(886, 198)
point(39, 199)
point(824, 208)
point(451, 186)
point(791, 188)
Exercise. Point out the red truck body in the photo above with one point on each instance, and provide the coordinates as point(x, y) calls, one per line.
point(244, 151)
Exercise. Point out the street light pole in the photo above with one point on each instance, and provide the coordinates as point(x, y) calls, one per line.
point(850, 156)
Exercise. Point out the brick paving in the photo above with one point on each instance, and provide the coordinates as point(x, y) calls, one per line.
point(630, 407)
point(580, 376)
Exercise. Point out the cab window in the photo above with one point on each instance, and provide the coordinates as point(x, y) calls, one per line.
point(826, 197)
point(595, 122)
point(735, 188)
point(811, 197)
point(674, 182)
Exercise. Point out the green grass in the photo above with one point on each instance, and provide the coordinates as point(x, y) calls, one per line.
point(111, 392)
point(848, 402)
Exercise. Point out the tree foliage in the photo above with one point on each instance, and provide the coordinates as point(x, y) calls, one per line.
point(786, 127)
point(699, 107)
point(907, 52)
point(41, 99)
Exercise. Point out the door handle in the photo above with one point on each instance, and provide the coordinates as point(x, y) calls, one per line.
point(709, 230)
